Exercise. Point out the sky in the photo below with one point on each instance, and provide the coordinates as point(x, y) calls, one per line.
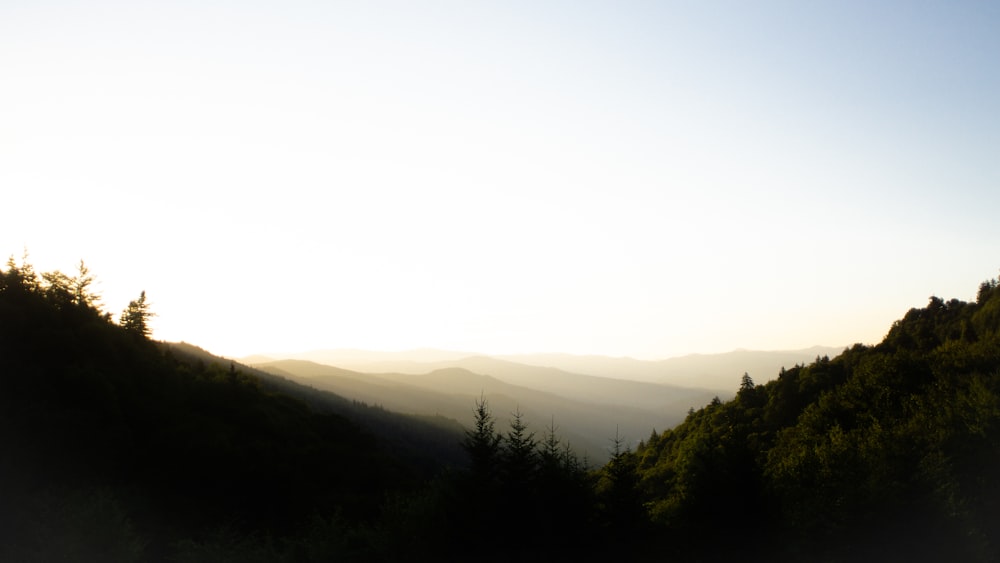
point(626, 178)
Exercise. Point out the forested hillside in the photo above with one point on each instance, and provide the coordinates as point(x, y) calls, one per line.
point(890, 452)
point(116, 448)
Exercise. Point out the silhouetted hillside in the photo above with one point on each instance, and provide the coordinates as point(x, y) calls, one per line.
point(117, 448)
point(424, 438)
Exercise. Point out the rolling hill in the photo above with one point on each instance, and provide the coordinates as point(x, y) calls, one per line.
point(585, 418)
point(719, 373)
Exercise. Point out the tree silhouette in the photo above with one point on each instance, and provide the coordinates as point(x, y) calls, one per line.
point(623, 515)
point(135, 317)
point(550, 451)
point(80, 287)
point(21, 279)
point(520, 458)
point(482, 443)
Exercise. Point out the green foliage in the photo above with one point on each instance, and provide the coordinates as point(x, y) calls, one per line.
point(885, 451)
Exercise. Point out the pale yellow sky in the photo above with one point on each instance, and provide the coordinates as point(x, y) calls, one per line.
point(608, 178)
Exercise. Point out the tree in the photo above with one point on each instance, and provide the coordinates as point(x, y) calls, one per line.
point(23, 279)
point(519, 450)
point(479, 492)
point(617, 490)
point(135, 317)
point(549, 452)
point(64, 291)
point(482, 443)
point(57, 288)
point(986, 289)
point(80, 286)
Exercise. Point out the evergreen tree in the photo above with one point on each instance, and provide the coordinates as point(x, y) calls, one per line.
point(57, 288)
point(23, 278)
point(80, 287)
point(622, 512)
point(135, 317)
point(482, 443)
point(520, 458)
point(549, 451)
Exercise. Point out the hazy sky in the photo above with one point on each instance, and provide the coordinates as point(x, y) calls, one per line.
point(625, 178)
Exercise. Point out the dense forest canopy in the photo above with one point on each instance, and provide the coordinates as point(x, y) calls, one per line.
point(886, 451)
point(119, 448)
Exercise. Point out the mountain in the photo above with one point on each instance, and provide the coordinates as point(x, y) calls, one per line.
point(718, 373)
point(590, 410)
point(585, 418)
point(716, 370)
point(576, 386)
point(352, 358)
point(885, 452)
point(590, 388)
point(425, 440)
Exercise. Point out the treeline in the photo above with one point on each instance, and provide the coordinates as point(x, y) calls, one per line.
point(527, 497)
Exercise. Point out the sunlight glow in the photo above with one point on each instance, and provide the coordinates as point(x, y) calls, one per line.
point(637, 179)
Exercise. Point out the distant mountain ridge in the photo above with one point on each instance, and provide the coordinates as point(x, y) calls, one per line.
point(591, 398)
point(588, 418)
point(717, 372)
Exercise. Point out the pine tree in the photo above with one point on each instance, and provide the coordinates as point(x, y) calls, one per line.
point(57, 288)
point(20, 279)
point(135, 317)
point(80, 286)
point(520, 458)
point(618, 491)
point(549, 452)
point(482, 443)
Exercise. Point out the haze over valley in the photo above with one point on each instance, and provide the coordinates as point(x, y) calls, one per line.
point(588, 409)
point(706, 371)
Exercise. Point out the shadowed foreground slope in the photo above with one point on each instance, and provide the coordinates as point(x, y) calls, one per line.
point(116, 448)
